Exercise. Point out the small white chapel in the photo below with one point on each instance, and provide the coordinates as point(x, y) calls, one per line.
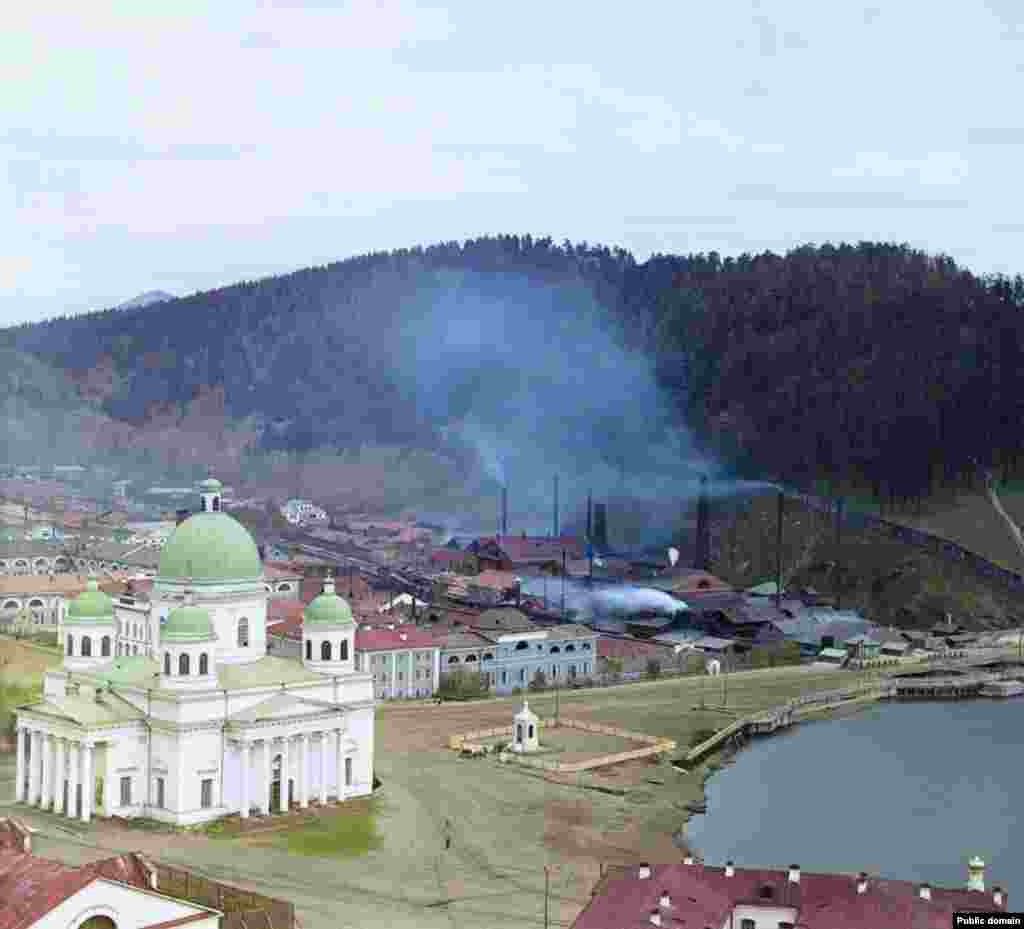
point(211, 724)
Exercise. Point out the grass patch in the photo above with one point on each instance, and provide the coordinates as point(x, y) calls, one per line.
point(347, 833)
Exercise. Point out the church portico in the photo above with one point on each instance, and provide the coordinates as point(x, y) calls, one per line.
point(56, 772)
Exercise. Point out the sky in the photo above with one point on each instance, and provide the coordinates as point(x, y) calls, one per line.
point(185, 146)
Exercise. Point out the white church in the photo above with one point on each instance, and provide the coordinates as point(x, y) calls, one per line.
point(211, 724)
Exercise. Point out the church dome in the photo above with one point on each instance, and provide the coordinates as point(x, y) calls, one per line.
point(187, 624)
point(328, 609)
point(210, 547)
point(211, 484)
point(90, 606)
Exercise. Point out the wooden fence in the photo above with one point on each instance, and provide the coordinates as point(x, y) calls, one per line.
point(242, 909)
point(653, 745)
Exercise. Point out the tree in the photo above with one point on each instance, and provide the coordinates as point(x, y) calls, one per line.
point(539, 681)
point(653, 667)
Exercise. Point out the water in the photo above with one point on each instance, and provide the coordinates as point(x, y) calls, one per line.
point(902, 790)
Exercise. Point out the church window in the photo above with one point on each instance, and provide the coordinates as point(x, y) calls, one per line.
point(161, 792)
point(135, 649)
point(71, 645)
point(204, 664)
point(243, 633)
point(126, 791)
point(454, 659)
point(167, 663)
point(86, 647)
point(183, 663)
point(344, 650)
point(105, 646)
point(325, 651)
point(309, 649)
point(348, 772)
point(206, 793)
point(216, 504)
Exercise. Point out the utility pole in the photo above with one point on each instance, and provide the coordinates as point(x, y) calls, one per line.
point(547, 893)
point(563, 585)
point(556, 508)
point(839, 533)
point(778, 551)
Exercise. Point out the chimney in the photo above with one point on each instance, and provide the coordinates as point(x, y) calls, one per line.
point(665, 900)
point(997, 896)
point(600, 525)
point(655, 918)
point(645, 871)
point(975, 874)
point(729, 869)
point(794, 874)
point(862, 883)
point(925, 892)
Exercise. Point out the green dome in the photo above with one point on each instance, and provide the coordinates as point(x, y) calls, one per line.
point(187, 624)
point(90, 607)
point(211, 484)
point(210, 547)
point(328, 609)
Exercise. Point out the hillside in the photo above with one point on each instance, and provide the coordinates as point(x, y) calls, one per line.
point(875, 364)
point(888, 581)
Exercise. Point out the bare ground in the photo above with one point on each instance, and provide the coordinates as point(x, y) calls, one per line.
point(506, 824)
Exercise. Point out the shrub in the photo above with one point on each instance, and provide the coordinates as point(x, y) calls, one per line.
point(653, 667)
point(539, 681)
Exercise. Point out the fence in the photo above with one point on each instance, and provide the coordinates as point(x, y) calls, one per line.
point(654, 746)
point(242, 909)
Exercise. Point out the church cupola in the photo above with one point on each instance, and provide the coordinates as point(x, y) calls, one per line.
point(328, 633)
point(89, 629)
point(188, 655)
point(211, 490)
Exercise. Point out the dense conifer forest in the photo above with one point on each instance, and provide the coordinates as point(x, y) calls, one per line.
point(872, 363)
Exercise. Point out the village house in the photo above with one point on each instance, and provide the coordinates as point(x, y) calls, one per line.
point(405, 661)
point(693, 894)
point(114, 893)
point(46, 597)
point(521, 552)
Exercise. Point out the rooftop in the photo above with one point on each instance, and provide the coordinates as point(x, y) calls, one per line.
point(384, 639)
point(703, 896)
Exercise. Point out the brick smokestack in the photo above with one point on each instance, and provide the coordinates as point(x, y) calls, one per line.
point(600, 526)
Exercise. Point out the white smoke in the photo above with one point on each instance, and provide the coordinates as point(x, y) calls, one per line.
point(673, 556)
point(601, 600)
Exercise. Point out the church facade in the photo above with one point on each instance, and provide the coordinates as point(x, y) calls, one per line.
point(208, 723)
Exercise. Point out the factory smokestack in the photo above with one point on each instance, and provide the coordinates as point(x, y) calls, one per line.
point(556, 507)
point(702, 553)
point(600, 526)
point(504, 510)
point(590, 520)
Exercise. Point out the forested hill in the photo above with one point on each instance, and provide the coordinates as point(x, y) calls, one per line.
point(871, 359)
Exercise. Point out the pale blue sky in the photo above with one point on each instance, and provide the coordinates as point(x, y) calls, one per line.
point(189, 145)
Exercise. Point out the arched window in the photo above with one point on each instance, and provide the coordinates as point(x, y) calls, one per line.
point(488, 657)
point(470, 657)
point(35, 604)
point(325, 651)
point(105, 646)
point(344, 650)
point(282, 588)
point(183, 663)
point(570, 647)
point(243, 633)
point(99, 922)
point(522, 646)
point(309, 649)
point(167, 663)
point(71, 645)
point(216, 504)
point(86, 647)
point(554, 650)
point(204, 664)
point(454, 659)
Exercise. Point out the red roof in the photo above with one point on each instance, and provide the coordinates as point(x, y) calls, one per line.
point(282, 610)
point(628, 648)
point(702, 896)
point(381, 639)
point(31, 887)
point(449, 555)
point(494, 580)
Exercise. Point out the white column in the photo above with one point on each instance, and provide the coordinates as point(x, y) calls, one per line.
point(246, 774)
point(58, 777)
point(35, 751)
point(19, 770)
point(109, 802)
point(436, 671)
point(73, 759)
point(304, 770)
point(268, 754)
point(341, 764)
point(88, 781)
point(285, 770)
point(394, 675)
point(46, 761)
point(323, 768)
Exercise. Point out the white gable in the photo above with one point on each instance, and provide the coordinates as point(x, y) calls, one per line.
point(129, 907)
